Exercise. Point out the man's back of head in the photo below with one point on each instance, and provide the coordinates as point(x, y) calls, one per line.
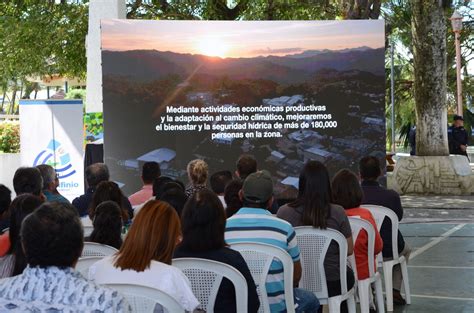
point(96, 173)
point(219, 180)
point(52, 236)
point(246, 165)
point(48, 173)
point(150, 172)
point(369, 168)
point(257, 190)
point(28, 180)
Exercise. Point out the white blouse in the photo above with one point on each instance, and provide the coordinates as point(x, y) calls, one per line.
point(159, 275)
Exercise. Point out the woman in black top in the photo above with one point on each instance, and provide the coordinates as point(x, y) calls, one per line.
point(203, 224)
point(107, 225)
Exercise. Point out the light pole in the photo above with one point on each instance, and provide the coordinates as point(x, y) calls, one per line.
point(456, 22)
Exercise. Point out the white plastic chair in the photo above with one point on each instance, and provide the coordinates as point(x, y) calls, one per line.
point(143, 299)
point(88, 230)
point(314, 244)
point(364, 286)
point(380, 213)
point(84, 263)
point(259, 258)
point(206, 277)
point(97, 249)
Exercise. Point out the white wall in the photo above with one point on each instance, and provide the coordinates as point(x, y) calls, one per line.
point(98, 9)
point(9, 162)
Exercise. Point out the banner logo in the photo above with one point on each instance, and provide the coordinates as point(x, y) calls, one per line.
point(56, 156)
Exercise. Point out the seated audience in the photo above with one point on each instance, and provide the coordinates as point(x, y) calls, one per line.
point(5, 200)
point(28, 180)
point(108, 191)
point(107, 225)
point(246, 165)
point(95, 174)
point(254, 223)
point(52, 239)
point(197, 174)
point(145, 256)
point(314, 207)
point(203, 225)
point(218, 182)
point(50, 183)
point(150, 172)
point(13, 261)
point(347, 193)
point(176, 198)
point(231, 197)
point(370, 170)
point(162, 184)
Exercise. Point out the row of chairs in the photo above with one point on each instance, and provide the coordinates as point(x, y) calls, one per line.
point(205, 275)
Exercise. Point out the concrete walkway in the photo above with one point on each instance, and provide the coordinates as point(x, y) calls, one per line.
point(438, 202)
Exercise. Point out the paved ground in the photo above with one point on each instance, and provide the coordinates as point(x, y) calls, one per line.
point(440, 231)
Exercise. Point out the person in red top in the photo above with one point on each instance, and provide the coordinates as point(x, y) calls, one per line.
point(347, 193)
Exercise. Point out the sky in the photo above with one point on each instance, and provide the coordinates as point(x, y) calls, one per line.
point(241, 39)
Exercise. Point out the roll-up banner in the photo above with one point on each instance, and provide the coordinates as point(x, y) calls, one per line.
point(52, 132)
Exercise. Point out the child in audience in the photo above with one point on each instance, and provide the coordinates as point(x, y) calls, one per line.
point(107, 225)
point(347, 193)
point(14, 262)
point(314, 207)
point(203, 223)
point(145, 256)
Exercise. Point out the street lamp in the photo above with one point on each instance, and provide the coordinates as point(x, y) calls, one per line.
point(456, 22)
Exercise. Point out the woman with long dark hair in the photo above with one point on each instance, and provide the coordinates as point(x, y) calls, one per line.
point(14, 262)
point(108, 191)
point(107, 225)
point(203, 224)
point(314, 206)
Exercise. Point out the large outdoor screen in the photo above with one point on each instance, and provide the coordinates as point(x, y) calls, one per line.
point(283, 91)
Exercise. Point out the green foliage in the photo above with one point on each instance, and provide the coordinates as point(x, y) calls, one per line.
point(76, 94)
point(9, 137)
point(94, 126)
point(40, 37)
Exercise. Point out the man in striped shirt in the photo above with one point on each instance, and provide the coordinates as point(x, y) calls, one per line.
point(254, 223)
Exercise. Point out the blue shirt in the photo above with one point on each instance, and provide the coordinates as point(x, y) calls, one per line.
point(54, 197)
point(258, 225)
point(58, 290)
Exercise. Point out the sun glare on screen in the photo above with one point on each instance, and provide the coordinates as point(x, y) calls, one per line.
point(213, 47)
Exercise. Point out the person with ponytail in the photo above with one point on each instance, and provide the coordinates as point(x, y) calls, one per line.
point(314, 207)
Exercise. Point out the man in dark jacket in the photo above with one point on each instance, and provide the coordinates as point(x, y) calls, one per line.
point(457, 137)
point(95, 174)
point(374, 193)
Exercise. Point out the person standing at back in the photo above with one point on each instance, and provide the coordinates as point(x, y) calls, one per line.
point(375, 194)
point(457, 136)
point(254, 223)
point(150, 172)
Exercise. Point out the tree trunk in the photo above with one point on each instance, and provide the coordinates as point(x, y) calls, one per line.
point(429, 58)
point(3, 100)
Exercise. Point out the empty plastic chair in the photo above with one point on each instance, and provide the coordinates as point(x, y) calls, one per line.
point(143, 299)
point(380, 213)
point(206, 277)
point(364, 286)
point(97, 249)
point(84, 263)
point(259, 257)
point(314, 244)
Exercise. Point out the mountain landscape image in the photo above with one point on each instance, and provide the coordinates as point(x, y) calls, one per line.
point(139, 82)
